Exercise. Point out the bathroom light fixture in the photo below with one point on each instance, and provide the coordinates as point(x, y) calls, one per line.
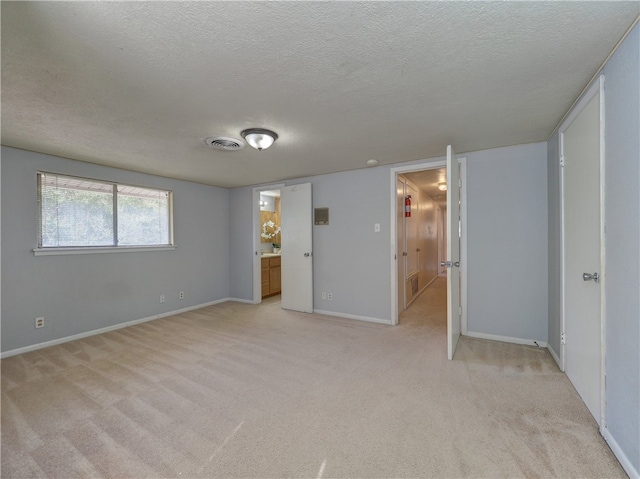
point(259, 138)
point(262, 203)
point(442, 186)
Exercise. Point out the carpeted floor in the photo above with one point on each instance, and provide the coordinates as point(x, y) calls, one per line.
point(237, 390)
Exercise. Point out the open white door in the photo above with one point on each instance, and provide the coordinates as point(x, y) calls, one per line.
point(453, 252)
point(297, 260)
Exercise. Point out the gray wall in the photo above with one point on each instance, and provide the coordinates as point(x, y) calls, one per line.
point(80, 293)
point(507, 215)
point(622, 204)
point(507, 242)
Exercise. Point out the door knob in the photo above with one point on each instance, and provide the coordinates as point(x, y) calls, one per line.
point(306, 255)
point(449, 264)
point(588, 277)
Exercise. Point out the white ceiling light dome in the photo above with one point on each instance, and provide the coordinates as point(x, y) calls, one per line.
point(259, 138)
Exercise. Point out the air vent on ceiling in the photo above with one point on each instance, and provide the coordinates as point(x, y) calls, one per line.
point(224, 143)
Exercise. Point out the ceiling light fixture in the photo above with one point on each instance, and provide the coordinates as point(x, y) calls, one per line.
point(259, 138)
point(372, 162)
point(442, 186)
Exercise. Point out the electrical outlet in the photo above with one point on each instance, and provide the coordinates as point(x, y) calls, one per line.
point(181, 295)
point(162, 298)
point(324, 296)
point(330, 296)
point(40, 322)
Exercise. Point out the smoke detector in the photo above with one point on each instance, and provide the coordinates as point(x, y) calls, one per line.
point(224, 143)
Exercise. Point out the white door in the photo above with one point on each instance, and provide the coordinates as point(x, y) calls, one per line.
point(582, 315)
point(453, 252)
point(297, 260)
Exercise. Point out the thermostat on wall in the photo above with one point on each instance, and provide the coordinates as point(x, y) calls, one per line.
point(321, 216)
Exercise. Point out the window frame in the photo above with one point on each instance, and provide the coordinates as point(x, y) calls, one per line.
point(40, 250)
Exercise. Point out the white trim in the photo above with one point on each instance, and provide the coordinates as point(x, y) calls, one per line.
point(620, 455)
point(73, 337)
point(240, 300)
point(353, 316)
point(507, 339)
point(554, 355)
point(256, 246)
point(597, 87)
point(99, 249)
point(463, 244)
point(603, 264)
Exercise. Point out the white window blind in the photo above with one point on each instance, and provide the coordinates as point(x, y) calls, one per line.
point(81, 212)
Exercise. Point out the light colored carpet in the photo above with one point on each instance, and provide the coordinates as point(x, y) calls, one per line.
point(238, 390)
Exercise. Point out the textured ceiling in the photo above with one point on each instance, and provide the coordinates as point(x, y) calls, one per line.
point(140, 85)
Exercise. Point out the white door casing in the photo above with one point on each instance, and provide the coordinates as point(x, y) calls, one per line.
point(581, 156)
point(297, 252)
point(400, 245)
point(453, 252)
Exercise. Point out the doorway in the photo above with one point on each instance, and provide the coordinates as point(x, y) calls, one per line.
point(421, 198)
point(396, 253)
point(293, 257)
point(264, 210)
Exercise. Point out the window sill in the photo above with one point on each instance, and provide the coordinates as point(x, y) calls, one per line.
point(99, 249)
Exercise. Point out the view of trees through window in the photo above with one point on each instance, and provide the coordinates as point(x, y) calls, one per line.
point(80, 212)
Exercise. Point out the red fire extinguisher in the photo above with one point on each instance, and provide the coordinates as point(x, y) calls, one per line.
point(407, 206)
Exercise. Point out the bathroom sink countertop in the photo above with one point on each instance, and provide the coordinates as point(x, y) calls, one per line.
point(271, 255)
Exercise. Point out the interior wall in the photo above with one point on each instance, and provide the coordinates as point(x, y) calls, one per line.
point(507, 297)
point(507, 242)
point(622, 207)
point(81, 293)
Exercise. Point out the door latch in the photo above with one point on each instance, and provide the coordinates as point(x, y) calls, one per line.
point(449, 264)
point(589, 277)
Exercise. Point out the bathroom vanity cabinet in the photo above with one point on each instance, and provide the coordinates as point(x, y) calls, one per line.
point(271, 274)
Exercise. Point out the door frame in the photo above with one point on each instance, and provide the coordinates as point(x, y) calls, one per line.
point(257, 275)
point(393, 178)
point(596, 87)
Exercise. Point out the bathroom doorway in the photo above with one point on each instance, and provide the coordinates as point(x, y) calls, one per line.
point(267, 242)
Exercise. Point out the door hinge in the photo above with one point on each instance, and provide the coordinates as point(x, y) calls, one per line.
point(562, 161)
point(459, 182)
point(459, 310)
point(563, 338)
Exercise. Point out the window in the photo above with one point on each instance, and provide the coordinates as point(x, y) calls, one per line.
point(81, 212)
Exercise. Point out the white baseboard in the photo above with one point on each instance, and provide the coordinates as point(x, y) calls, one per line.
point(555, 356)
point(620, 455)
point(506, 339)
point(353, 316)
point(240, 300)
point(66, 339)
